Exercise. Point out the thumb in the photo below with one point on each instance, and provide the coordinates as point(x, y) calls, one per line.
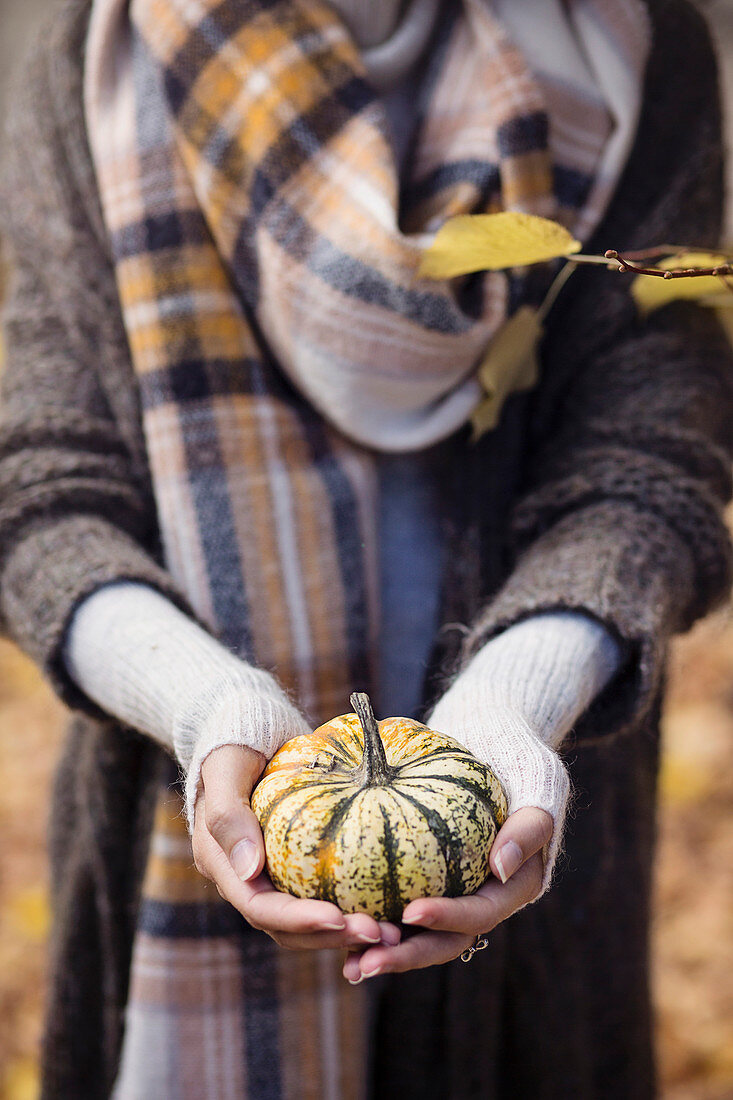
point(524, 833)
point(228, 776)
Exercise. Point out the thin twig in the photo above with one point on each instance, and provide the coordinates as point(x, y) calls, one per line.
point(691, 272)
point(672, 273)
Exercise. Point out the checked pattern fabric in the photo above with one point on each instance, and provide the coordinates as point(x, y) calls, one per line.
point(265, 248)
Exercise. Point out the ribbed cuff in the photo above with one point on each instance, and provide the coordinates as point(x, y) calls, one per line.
point(532, 774)
point(142, 660)
point(513, 704)
point(248, 709)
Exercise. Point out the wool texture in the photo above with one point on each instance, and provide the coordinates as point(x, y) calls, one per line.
point(517, 700)
point(143, 661)
point(650, 397)
point(218, 272)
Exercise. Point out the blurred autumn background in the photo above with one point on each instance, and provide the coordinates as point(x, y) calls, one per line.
point(693, 926)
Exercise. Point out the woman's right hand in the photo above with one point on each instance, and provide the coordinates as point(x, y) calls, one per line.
point(229, 849)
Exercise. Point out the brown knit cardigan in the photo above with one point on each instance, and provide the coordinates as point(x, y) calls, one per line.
point(602, 490)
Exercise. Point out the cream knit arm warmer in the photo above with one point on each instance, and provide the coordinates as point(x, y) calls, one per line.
point(141, 659)
point(518, 698)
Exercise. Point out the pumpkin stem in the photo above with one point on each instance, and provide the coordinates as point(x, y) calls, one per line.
point(374, 768)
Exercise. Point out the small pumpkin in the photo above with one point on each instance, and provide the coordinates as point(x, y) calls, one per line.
point(372, 815)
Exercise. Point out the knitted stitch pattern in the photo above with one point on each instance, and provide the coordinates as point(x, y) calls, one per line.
point(77, 508)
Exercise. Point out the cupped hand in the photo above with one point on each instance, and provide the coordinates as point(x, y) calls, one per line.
point(228, 848)
point(450, 925)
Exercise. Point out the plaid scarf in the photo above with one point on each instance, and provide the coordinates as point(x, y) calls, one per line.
point(266, 259)
point(265, 252)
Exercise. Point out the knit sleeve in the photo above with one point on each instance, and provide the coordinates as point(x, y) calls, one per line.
point(76, 508)
point(621, 514)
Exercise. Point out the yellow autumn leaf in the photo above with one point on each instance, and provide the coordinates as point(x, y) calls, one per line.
point(510, 365)
point(490, 242)
point(27, 913)
point(650, 292)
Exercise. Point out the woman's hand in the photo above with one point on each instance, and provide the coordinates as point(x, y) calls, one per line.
point(228, 848)
point(452, 924)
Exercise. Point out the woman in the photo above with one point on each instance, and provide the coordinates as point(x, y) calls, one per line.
point(217, 351)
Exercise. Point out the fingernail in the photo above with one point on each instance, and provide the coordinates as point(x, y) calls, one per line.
point(371, 973)
point(425, 921)
point(355, 981)
point(334, 927)
point(244, 859)
point(363, 938)
point(508, 860)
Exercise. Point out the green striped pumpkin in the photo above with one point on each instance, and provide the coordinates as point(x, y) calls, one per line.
point(372, 815)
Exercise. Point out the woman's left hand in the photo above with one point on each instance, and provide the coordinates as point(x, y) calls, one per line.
point(452, 924)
